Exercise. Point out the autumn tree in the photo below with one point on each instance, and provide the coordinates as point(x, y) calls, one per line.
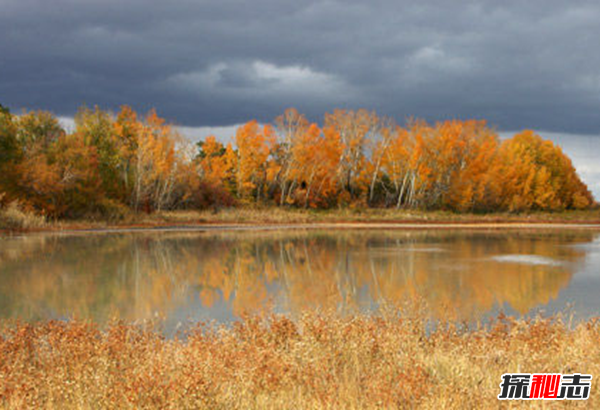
point(95, 128)
point(8, 138)
point(142, 161)
point(455, 159)
point(406, 165)
point(472, 185)
point(58, 174)
point(383, 133)
point(38, 179)
point(290, 127)
point(395, 163)
point(353, 128)
point(79, 184)
point(535, 174)
point(254, 147)
point(156, 163)
point(110, 161)
point(315, 156)
point(216, 170)
point(126, 130)
point(213, 163)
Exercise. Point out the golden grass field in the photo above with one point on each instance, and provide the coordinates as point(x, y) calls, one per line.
point(315, 361)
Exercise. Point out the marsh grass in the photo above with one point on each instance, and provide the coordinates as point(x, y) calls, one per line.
point(393, 360)
point(278, 216)
point(13, 217)
point(291, 215)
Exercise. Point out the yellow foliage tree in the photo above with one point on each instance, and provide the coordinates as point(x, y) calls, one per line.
point(254, 147)
point(535, 174)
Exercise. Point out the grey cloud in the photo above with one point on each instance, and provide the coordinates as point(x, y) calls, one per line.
point(217, 62)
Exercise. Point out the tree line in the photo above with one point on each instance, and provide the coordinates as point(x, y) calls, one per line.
point(110, 163)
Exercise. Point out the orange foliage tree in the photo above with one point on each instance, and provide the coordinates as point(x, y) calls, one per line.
point(253, 152)
point(535, 174)
point(356, 158)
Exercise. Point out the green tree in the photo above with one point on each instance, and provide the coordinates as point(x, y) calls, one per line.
point(96, 128)
point(10, 154)
point(38, 129)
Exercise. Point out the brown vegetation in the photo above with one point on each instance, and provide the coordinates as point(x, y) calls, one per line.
point(319, 361)
point(272, 215)
point(13, 217)
point(341, 217)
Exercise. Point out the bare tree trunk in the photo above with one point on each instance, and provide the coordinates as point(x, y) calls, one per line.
point(283, 193)
point(402, 191)
point(376, 171)
point(291, 189)
point(308, 188)
point(373, 181)
point(411, 197)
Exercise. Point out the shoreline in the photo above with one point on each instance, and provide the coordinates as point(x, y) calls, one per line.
point(286, 219)
point(206, 227)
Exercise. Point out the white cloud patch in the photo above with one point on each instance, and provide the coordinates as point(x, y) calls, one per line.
point(435, 58)
point(295, 79)
point(205, 79)
point(225, 134)
point(261, 78)
point(68, 123)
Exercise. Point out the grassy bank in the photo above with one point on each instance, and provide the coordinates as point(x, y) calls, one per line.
point(283, 215)
point(16, 220)
point(318, 361)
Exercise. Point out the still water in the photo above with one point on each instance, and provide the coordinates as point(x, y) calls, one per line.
point(218, 275)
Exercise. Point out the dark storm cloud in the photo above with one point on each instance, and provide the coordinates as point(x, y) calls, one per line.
point(519, 64)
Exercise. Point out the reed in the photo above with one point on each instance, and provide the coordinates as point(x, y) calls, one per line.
point(319, 360)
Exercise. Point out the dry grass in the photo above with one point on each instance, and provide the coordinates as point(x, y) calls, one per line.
point(281, 216)
point(14, 218)
point(290, 215)
point(316, 361)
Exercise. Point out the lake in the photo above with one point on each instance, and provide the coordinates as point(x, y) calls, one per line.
point(182, 276)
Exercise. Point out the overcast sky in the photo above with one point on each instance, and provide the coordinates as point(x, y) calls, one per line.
point(518, 64)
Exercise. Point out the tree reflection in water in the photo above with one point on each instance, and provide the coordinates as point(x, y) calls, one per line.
point(459, 274)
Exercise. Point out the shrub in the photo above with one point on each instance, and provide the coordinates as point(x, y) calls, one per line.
point(111, 210)
point(14, 217)
point(211, 196)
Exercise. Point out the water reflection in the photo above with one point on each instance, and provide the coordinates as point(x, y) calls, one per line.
point(203, 275)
